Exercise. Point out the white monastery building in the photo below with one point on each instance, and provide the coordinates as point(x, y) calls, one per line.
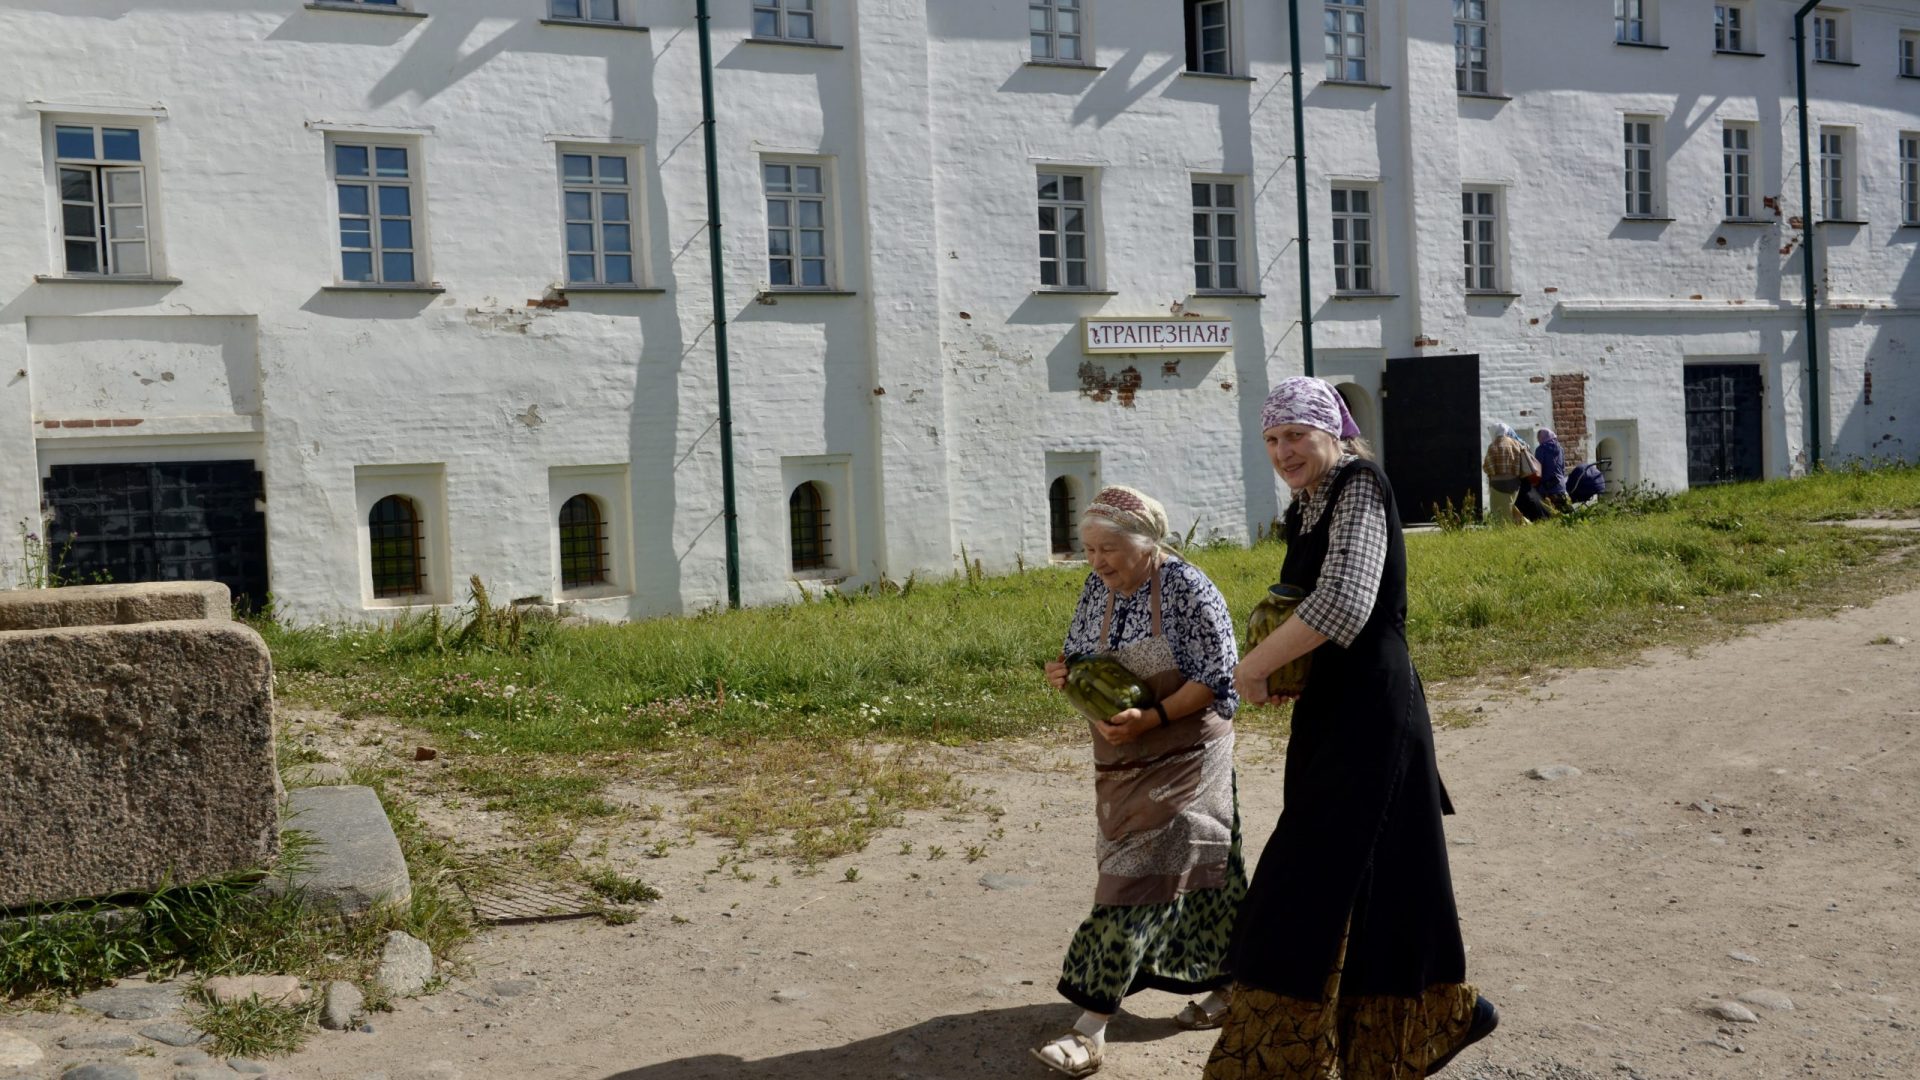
point(346, 301)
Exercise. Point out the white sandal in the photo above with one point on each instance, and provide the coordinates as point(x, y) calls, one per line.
point(1195, 1018)
point(1067, 1046)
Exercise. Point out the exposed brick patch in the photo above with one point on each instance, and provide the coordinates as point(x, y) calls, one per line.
point(76, 423)
point(126, 422)
point(1097, 384)
point(1569, 394)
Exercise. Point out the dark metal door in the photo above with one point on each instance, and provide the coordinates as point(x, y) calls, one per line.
point(1724, 423)
point(163, 521)
point(1430, 423)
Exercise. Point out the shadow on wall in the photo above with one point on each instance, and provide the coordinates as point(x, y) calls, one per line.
point(988, 1045)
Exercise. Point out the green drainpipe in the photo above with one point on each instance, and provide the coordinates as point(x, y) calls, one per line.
point(729, 507)
point(1806, 237)
point(1300, 190)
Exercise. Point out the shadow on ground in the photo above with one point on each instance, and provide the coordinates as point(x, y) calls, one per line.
point(991, 1043)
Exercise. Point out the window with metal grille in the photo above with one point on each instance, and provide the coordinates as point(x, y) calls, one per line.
point(1353, 240)
point(1346, 40)
point(398, 552)
point(1216, 236)
point(1472, 47)
point(784, 20)
point(1480, 233)
point(375, 191)
point(599, 217)
point(583, 544)
point(796, 225)
point(587, 10)
point(1060, 511)
point(1736, 168)
point(1064, 207)
point(103, 200)
point(807, 526)
point(1209, 37)
point(1056, 30)
point(1639, 167)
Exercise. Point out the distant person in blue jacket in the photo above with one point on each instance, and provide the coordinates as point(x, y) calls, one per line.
point(1553, 471)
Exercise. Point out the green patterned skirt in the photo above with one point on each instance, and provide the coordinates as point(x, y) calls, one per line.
point(1177, 947)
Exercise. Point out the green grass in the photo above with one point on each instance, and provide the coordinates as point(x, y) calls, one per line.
point(254, 1028)
point(959, 660)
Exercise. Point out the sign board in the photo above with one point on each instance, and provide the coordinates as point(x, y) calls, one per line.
point(1155, 335)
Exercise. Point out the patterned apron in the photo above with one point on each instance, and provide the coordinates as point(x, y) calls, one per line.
point(1164, 801)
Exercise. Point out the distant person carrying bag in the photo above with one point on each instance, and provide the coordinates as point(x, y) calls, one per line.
point(1511, 470)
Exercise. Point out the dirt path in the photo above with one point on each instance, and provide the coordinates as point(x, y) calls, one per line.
point(1745, 820)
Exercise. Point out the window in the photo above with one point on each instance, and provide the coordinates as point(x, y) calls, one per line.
point(1909, 178)
point(1346, 37)
point(375, 189)
point(1910, 53)
point(587, 10)
point(1480, 231)
point(583, 544)
point(597, 195)
point(1353, 263)
point(399, 556)
point(1060, 517)
point(1834, 175)
point(796, 225)
point(1642, 169)
point(1216, 236)
point(1736, 171)
point(1826, 35)
point(1064, 249)
point(807, 527)
point(1730, 27)
point(103, 200)
point(1057, 30)
point(1209, 37)
point(1472, 47)
point(1630, 23)
point(784, 20)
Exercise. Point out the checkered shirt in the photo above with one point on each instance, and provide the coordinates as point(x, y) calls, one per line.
point(1342, 601)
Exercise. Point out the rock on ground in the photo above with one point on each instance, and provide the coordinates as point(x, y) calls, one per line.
point(101, 1072)
point(406, 965)
point(101, 1040)
point(355, 862)
point(1768, 999)
point(132, 1002)
point(1734, 1011)
point(174, 1034)
point(274, 989)
point(342, 1004)
point(18, 1051)
point(1554, 772)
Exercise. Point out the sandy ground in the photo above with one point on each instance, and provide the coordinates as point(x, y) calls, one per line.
point(1745, 819)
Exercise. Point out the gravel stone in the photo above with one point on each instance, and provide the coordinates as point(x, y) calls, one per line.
point(173, 1034)
point(1734, 1011)
point(406, 965)
point(99, 1040)
point(100, 1072)
point(132, 1002)
point(1768, 999)
point(343, 1002)
point(1554, 772)
point(18, 1051)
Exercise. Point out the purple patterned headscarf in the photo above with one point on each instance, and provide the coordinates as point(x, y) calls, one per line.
point(1306, 400)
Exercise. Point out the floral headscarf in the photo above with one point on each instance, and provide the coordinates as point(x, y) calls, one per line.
point(1130, 511)
point(1306, 400)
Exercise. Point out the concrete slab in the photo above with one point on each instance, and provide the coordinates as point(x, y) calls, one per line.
point(354, 862)
point(114, 605)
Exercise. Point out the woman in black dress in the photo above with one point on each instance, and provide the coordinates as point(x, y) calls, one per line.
point(1347, 951)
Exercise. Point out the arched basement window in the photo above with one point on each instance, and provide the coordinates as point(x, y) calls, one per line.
point(583, 544)
point(1060, 512)
point(807, 521)
point(398, 555)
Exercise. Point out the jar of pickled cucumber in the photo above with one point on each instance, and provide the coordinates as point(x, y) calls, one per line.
point(1290, 678)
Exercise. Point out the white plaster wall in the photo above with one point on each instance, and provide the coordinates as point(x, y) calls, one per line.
point(935, 370)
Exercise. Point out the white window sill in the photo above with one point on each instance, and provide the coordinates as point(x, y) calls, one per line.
point(1852, 222)
point(393, 603)
point(1357, 84)
point(380, 287)
point(1366, 296)
point(1050, 290)
point(597, 592)
point(775, 295)
point(1070, 65)
point(101, 279)
point(1637, 44)
point(826, 576)
point(368, 9)
point(1491, 294)
point(1736, 52)
point(1645, 219)
point(594, 24)
point(615, 290)
point(1484, 95)
point(791, 43)
point(1838, 63)
point(1749, 223)
point(1221, 76)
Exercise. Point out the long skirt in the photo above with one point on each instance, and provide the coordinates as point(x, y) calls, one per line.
point(1179, 947)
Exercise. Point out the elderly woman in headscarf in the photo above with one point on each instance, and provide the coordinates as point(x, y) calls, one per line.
point(1510, 470)
point(1347, 953)
point(1168, 844)
point(1552, 487)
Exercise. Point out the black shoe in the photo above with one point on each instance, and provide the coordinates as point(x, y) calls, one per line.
point(1485, 1019)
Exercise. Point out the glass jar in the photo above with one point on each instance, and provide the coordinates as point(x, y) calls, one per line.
point(1290, 678)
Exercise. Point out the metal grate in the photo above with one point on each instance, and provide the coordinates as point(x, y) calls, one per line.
point(505, 888)
point(393, 533)
point(583, 544)
point(807, 521)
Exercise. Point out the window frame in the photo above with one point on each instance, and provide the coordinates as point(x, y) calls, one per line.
point(820, 557)
point(1636, 22)
point(1733, 27)
point(599, 551)
point(1193, 13)
point(1652, 170)
point(415, 184)
point(1214, 213)
point(1050, 12)
point(792, 200)
point(100, 171)
point(420, 582)
point(1909, 178)
point(1088, 205)
point(1838, 173)
point(1344, 270)
point(585, 17)
point(1463, 50)
point(1339, 11)
point(1063, 526)
point(633, 189)
point(1907, 54)
point(1494, 270)
point(1832, 34)
point(783, 12)
point(1737, 205)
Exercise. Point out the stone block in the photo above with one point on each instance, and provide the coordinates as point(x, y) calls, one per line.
point(115, 605)
point(354, 862)
point(137, 756)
